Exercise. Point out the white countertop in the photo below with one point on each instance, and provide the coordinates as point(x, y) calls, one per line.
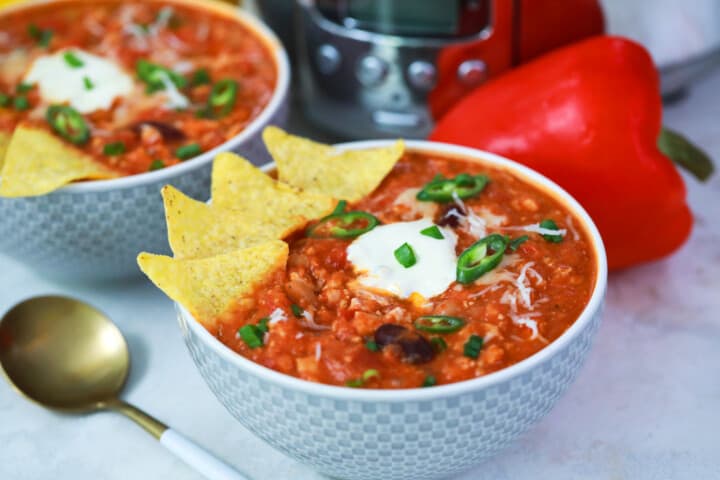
point(645, 406)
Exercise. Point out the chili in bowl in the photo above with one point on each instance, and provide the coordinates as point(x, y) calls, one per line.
point(415, 331)
point(102, 103)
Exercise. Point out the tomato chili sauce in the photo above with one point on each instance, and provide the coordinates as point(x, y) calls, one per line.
point(331, 330)
point(199, 50)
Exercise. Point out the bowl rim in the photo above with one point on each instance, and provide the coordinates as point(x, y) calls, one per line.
point(592, 308)
point(280, 91)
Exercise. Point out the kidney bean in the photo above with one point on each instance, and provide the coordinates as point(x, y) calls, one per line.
point(414, 347)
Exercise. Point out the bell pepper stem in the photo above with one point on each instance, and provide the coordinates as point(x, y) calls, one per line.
point(688, 156)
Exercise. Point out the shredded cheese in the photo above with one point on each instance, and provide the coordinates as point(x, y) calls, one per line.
point(277, 315)
point(525, 321)
point(524, 290)
point(175, 99)
point(571, 226)
point(476, 225)
point(183, 67)
point(318, 351)
point(138, 35)
point(310, 322)
point(161, 21)
point(536, 228)
point(538, 278)
point(485, 290)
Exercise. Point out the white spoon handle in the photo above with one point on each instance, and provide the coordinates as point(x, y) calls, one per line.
point(197, 457)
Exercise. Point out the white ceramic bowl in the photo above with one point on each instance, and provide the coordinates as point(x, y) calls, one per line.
point(94, 230)
point(402, 434)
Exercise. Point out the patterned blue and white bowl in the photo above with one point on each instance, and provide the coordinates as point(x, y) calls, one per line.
point(94, 230)
point(402, 434)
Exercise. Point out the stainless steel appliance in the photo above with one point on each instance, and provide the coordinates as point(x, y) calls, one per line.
point(388, 68)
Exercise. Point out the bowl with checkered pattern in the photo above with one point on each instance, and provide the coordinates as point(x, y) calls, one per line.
point(410, 434)
point(93, 230)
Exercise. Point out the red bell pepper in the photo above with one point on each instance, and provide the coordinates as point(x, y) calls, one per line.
point(589, 117)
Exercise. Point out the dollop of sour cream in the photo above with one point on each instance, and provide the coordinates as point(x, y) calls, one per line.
point(59, 82)
point(372, 256)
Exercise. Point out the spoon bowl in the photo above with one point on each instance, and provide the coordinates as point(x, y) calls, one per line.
point(66, 355)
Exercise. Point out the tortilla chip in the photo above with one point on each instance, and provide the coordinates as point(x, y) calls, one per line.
point(319, 168)
point(37, 162)
point(197, 229)
point(4, 141)
point(238, 185)
point(210, 287)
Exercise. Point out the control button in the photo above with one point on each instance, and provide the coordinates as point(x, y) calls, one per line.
point(371, 70)
point(397, 119)
point(422, 75)
point(328, 59)
point(472, 72)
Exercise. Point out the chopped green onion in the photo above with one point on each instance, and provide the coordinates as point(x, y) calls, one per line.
point(372, 346)
point(405, 255)
point(480, 257)
point(263, 325)
point(297, 310)
point(42, 37)
point(439, 345)
point(114, 148)
point(72, 60)
point(4, 100)
point(439, 323)
point(153, 76)
point(472, 346)
point(343, 225)
point(24, 87)
point(89, 85)
point(549, 224)
point(430, 381)
point(432, 232)
point(68, 123)
point(515, 244)
point(200, 77)
point(463, 186)
point(251, 335)
point(367, 375)
point(156, 165)
point(21, 102)
point(188, 151)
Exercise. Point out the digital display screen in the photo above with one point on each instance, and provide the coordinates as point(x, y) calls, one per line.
point(433, 18)
point(405, 16)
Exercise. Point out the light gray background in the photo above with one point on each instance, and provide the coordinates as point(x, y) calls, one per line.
point(645, 406)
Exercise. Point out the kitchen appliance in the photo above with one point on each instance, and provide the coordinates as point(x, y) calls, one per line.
point(388, 68)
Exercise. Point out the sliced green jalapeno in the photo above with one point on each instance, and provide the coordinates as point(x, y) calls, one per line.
point(439, 323)
point(68, 123)
point(462, 186)
point(344, 225)
point(481, 257)
point(222, 97)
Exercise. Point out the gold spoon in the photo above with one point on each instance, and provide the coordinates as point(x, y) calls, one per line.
point(68, 356)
